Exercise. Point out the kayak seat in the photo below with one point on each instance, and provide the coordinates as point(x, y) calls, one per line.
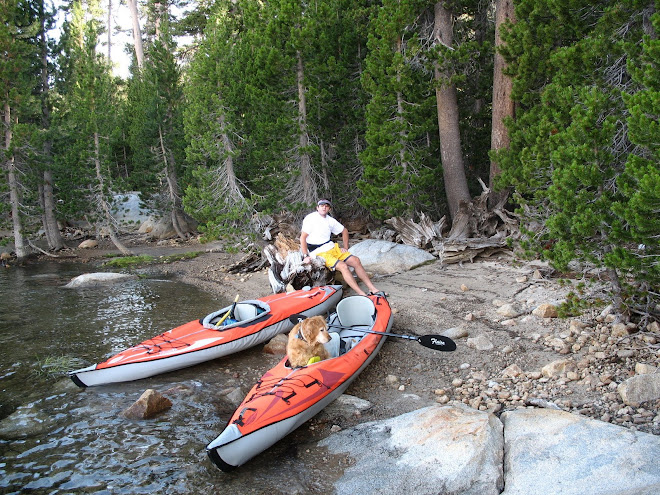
point(356, 311)
point(245, 312)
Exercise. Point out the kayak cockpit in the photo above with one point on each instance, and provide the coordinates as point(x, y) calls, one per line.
point(241, 313)
point(353, 318)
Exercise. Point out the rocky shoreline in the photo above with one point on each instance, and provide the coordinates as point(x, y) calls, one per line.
point(511, 355)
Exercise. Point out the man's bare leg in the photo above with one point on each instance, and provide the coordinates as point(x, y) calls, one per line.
point(343, 268)
point(361, 273)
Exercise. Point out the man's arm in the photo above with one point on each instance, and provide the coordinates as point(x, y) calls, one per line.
point(303, 245)
point(344, 238)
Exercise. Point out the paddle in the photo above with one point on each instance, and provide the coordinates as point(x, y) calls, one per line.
point(230, 312)
point(436, 342)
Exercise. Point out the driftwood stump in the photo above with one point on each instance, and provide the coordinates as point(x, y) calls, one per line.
point(288, 270)
point(476, 231)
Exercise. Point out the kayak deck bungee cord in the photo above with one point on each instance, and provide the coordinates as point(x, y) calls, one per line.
point(285, 397)
point(234, 328)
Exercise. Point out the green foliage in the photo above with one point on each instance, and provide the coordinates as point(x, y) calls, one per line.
point(128, 261)
point(400, 173)
point(584, 152)
point(55, 366)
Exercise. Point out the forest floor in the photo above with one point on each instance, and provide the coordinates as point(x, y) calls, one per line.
point(503, 353)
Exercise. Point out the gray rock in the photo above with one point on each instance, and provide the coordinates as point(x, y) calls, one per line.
point(384, 257)
point(26, 421)
point(555, 452)
point(437, 449)
point(129, 210)
point(640, 388)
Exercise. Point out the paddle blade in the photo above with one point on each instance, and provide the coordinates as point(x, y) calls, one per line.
point(437, 342)
point(297, 318)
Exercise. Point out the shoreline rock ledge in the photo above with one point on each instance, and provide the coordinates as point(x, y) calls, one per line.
point(454, 449)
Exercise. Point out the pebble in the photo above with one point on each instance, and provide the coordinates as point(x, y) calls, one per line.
point(593, 359)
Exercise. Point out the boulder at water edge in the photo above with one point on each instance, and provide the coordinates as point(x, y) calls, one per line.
point(384, 257)
point(26, 421)
point(99, 278)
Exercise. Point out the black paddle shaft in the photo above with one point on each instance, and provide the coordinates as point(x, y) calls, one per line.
point(437, 342)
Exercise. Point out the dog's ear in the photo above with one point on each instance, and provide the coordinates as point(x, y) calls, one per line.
point(307, 330)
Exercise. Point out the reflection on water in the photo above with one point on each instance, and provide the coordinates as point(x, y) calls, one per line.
point(80, 443)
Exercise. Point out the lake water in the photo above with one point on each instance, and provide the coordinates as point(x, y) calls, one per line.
point(81, 443)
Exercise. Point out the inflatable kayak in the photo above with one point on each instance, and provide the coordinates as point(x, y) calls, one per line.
point(285, 397)
point(228, 330)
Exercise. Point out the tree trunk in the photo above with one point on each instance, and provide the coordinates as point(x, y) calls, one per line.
point(109, 30)
point(14, 198)
point(109, 221)
point(456, 186)
point(55, 241)
point(399, 111)
point(137, 33)
point(307, 184)
point(503, 105)
point(178, 221)
point(49, 220)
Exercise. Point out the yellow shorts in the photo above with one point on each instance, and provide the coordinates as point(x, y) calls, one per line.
point(334, 256)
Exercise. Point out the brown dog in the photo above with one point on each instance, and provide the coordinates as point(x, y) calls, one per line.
point(306, 340)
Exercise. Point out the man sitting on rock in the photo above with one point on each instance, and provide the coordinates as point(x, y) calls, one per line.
point(317, 227)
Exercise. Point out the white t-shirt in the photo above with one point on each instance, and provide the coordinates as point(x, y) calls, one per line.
point(319, 229)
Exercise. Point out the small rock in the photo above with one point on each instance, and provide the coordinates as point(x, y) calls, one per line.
point(507, 310)
point(277, 345)
point(521, 280)
point(469, 317)
point(619, 330)
point(464, 287)
point(392, 381)
point(512, 371)
point(455, 333)
point(640, 388)
point(556, 368)
point(545, 311)
point(148, 405)
point(644, 369)
point(480, 343)
point(88, 244)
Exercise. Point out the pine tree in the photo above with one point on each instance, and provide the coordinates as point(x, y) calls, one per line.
point(155, 114)
point(217, 197)
point(19, 111)
point(399, 170)
point(86, 121)
point(572, 161)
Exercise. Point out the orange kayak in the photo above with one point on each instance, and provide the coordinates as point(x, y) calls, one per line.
point(285, 397)
point(252, 322)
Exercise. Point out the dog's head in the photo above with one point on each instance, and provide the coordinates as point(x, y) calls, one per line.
point(314, 329)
